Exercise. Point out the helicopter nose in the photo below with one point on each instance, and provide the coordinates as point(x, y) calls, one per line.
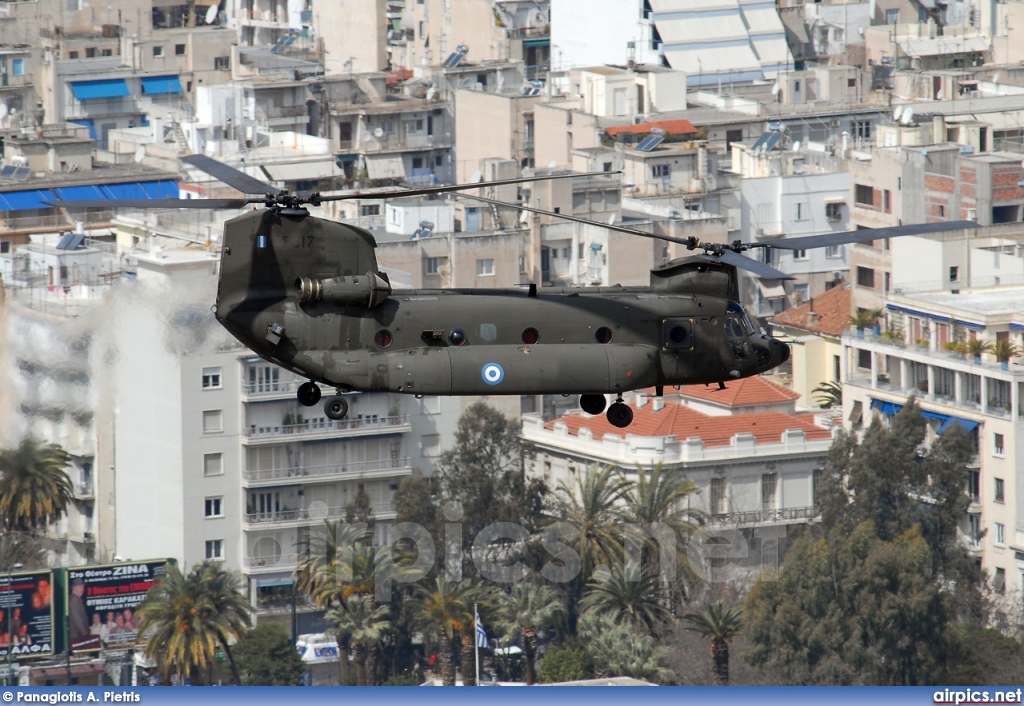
point(780, 353)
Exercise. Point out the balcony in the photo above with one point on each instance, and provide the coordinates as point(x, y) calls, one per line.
point(754, 518)
point(260, 18)
point(294, 518)
point(85, 491)
point(311, 431)
point(270, 390)
point(281, 562)
point(320, 474)
point(15, 81)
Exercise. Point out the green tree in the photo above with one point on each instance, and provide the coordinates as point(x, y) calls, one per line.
point(266, 657)
point(630, 596)
point(21, 548)
point(618, 650)
point(591, 506)
point(828, 394)
point(524, 611)
point(721, 624)
point(188, 618)
point(363, 624)
point(34, 487)
point(445, 608)
point(567, 662)
point(981, 656)
point(851, 608)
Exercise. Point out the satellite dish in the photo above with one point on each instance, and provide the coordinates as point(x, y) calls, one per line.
point(552, 164)
point(140, 154)
point(908, 115)
point(995, 77)
point(379, 132)
point(211, 14)
point(896, 114)
point(431, 92)
point(524, 217)
point(477, 176)
point(366, 137)
point(611, 220)
point(3, 111)
point(776, 88)
point(796, 146)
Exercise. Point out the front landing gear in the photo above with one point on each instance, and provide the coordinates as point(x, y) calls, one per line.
point(620, 414)
point(308, 394)
point(336, 407)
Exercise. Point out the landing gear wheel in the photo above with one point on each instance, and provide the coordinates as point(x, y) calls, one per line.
point(620, 415)
point(308, 394)
point(336, 408)
point(592, 404)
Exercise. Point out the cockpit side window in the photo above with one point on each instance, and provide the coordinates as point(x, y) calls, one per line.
point(734, 309)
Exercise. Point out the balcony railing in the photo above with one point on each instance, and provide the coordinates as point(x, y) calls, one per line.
point(314, 514)
point(260, 15)
point(760, 517)
point(337, 469)
point(326, 427)
point(84, 490)
point(271, 388)
point(267, 562)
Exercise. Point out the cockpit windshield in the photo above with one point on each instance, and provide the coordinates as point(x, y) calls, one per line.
point(736, 312)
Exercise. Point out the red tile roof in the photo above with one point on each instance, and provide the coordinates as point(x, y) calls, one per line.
point(685, 423)
point(671, 127)
point(831, 312)
point(755, 390)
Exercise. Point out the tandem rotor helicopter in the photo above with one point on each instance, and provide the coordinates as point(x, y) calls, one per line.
point(306, 294)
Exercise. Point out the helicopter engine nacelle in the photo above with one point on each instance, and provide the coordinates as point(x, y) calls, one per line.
point(696, 276)
point(367, 290)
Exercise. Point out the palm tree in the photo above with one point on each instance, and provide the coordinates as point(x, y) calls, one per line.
point(721, 624)
point(447, 608)
point(331, 563)
point(661, 497)
point(187, 618)
point(523, 612)
point(978, 346)
point(590, 505)
point(828, 394)
point(630, 596)
point(363, 625)
point(34, 487)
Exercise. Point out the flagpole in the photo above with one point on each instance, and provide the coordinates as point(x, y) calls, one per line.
point(476, 643)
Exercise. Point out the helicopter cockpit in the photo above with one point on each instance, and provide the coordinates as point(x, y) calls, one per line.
point(748, 344)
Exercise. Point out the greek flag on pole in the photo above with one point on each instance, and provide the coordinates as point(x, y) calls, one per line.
point(481, 633)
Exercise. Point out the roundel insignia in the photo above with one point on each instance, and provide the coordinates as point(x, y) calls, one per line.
point(492, 373)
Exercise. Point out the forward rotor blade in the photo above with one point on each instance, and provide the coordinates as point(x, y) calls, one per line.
point(743, 262)
point(810, 242)
point(229, 175)
point(155, 203)
point(458, 187)
point(577, 219)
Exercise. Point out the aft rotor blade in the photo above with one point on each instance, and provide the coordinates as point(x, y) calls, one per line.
point(586, 221)
point(155, 203)
point(229, 175)
point(742, 261)
point(458, 187)
point(862, 236)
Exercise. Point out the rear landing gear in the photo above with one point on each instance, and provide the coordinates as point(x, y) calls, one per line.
point(308, 394)
point(336, 407)
point(592, 404)
point(620, 414)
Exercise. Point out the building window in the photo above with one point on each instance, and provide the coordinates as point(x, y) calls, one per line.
point(90, 52)
point(5, 246)
point(18, 67)
point(221, 63)
point(433, 265)
point(866, 277)
point(213, 464)
point(211, 378)
point(158, 51)
point(864, 194)
point(769, 490)
point(485, 268)
point(800, 212)
point(213, 421)
point(999, 581)
point(1000, 490)
point(816, 478)
point(886, 200)
point(954, 274)
point(660, 170)
point(214, 507)
point(800, 255)
point(862, 129)
point(997, 444)
point(215, 549)
point(73, 55)
point(974, 485)
point(107, 52)
point(430, 444)
point(179, 50)
point(718, 496)
point(834, 211)
point(834, 252)
point(369, 209)
point(892, 17)
point(864, 358)
point(1000, 533)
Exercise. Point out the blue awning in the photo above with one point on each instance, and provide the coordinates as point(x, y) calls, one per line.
point(884, 407)
point(168, 188)
point(79, 193)
point(26, 200)
point(153, 85)
point(967, 424)
point(89, 124)
point(104, 88)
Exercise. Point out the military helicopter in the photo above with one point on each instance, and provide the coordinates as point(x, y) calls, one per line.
point(306, 293)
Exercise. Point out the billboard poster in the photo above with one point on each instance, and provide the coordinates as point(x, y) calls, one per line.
point(102, 601)
point(26, 615)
